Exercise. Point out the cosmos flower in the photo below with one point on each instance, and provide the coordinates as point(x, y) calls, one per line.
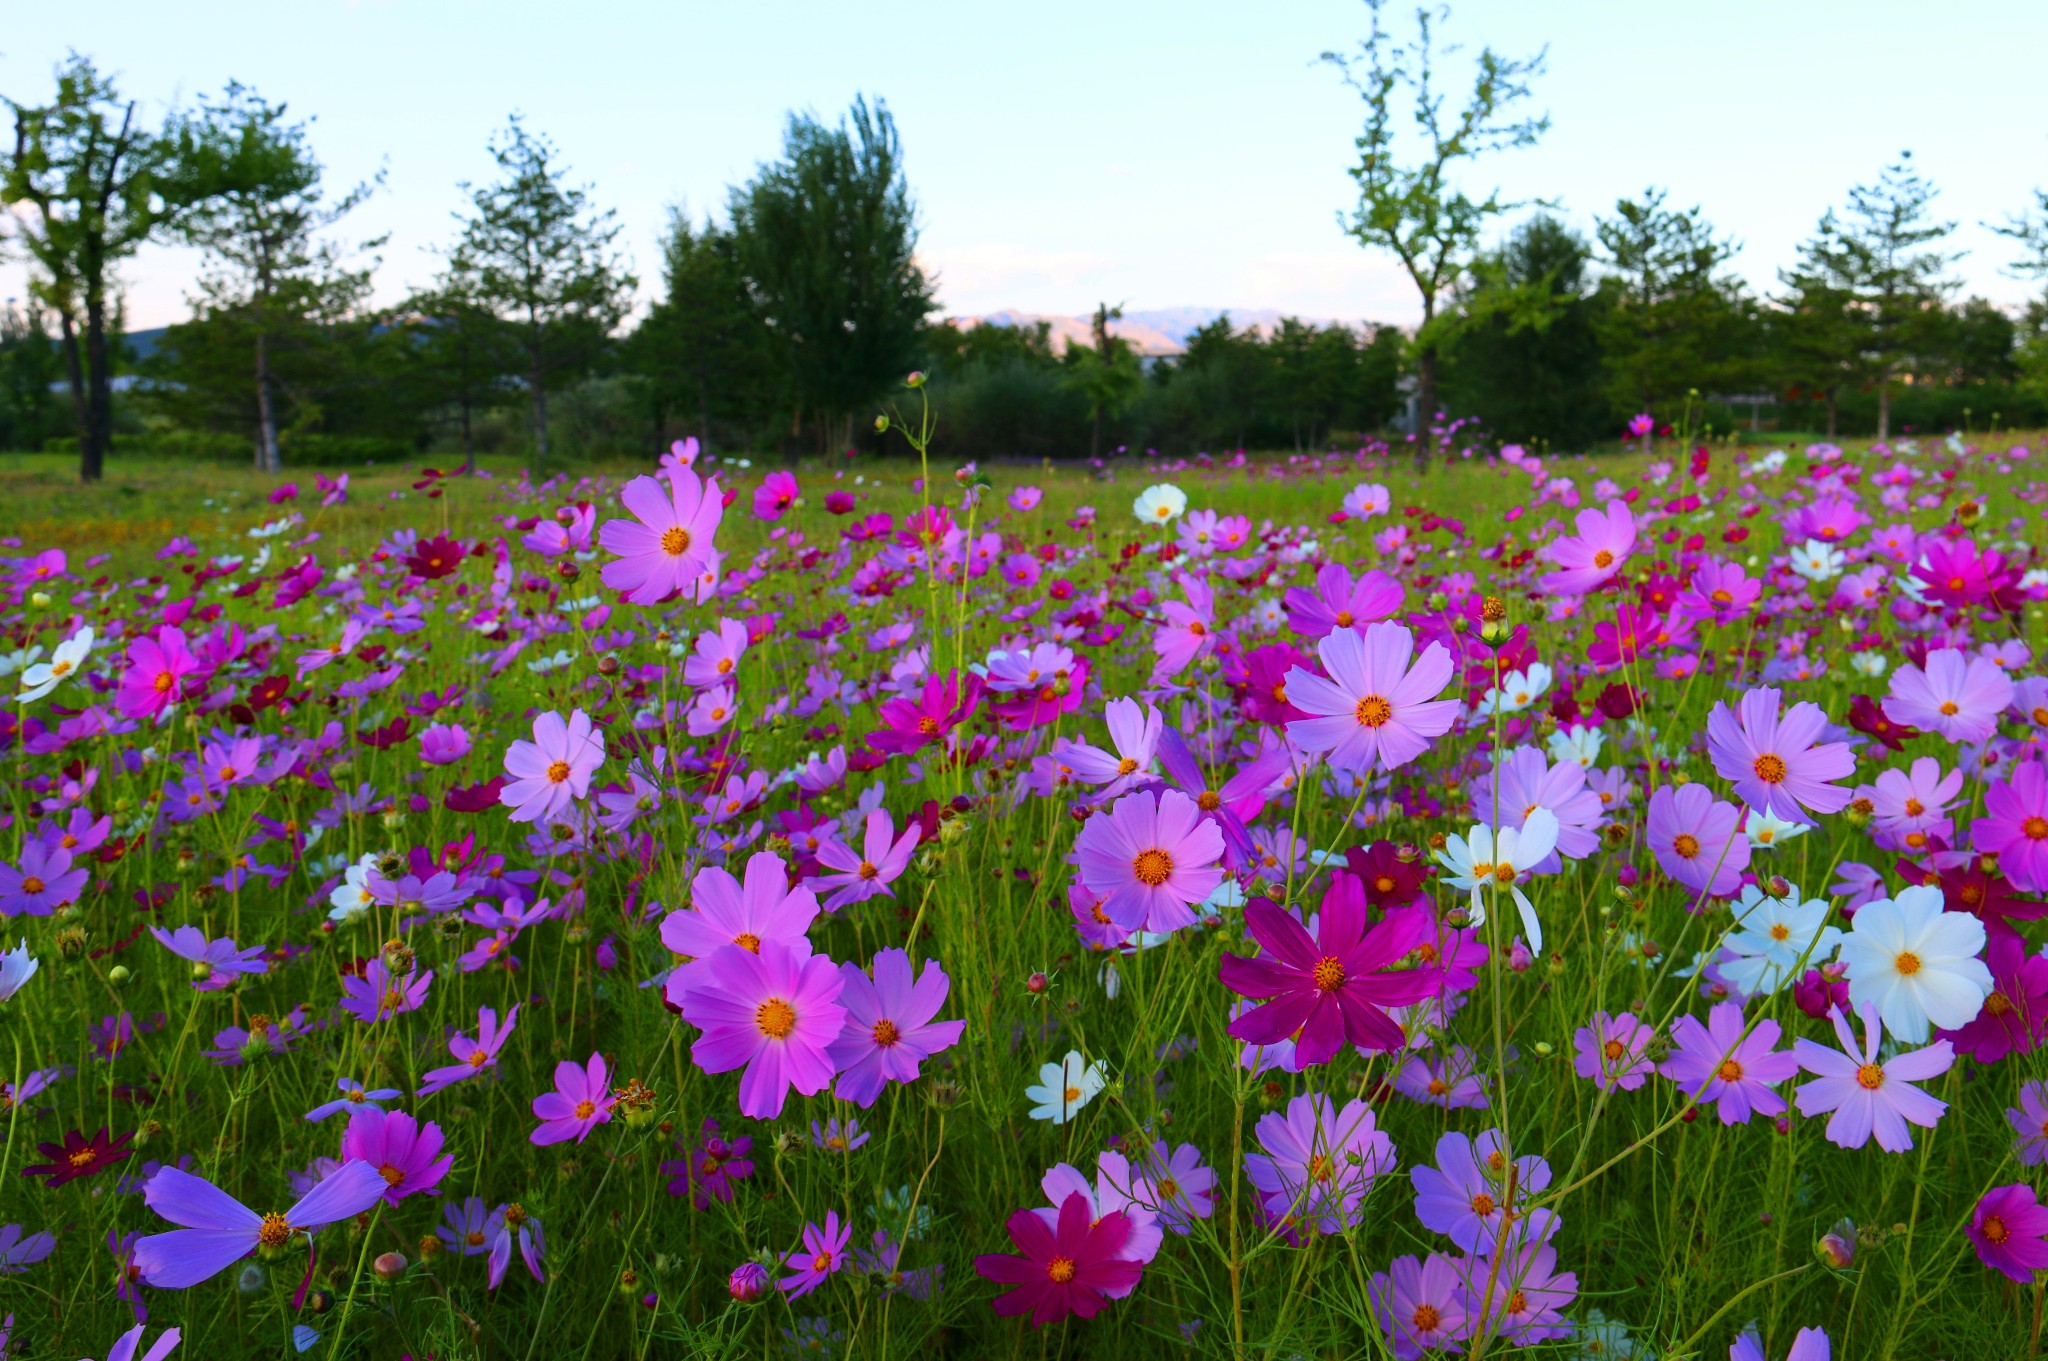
point(1068, 1269)
point(379, 994)
point(78, 1156)
point(510, 1225)
point(1485, 862)
point(774, 1014)
point(1065, 1087)
point(822, 1254)
point(1149, 858)
point(1695, 839)
point(1778, 764)
point(1373, 710)
point(472, 1056)
point(1594, 555)
point(581, 1102)
point(405, 1153)
point(1318, 1162)
point(216, 964)
point(1716, 1064)
point(1863, 1098)
point(354, 1096)
point(216, 1230)
point(890, 1027)
point(1957, 696)
point(666, 549)
point(1420, 1304)
point(1160, 504)
point(1916, 963)
point(552, 771)
point(1468, 1194)
point(1610, 1051)
point(2013, 826)
point(2010, 1232)
point(856, 877)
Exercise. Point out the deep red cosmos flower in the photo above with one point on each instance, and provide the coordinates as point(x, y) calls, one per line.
point(79, 1156)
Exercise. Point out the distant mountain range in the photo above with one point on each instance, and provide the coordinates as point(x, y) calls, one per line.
point(1154, 333)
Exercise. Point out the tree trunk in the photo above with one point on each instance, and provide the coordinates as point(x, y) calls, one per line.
point(1831, 414)
point(1095, 437)
point(74, 369)
point(1425, 404)
point(468, 437)
point(99, 398)
point(1884, 409)
point(540, 421)
point(267, 459)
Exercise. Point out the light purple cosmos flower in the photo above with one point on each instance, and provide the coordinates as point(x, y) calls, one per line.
point(507, 1224)
point(217, 1230)
point(1697, 839)
point(580, 1102)
point(1590, 559)
point(1420, 1304)
point(405, 1153)
point(462, 1226)
point(1525, 1295)
point(1958, 696)
point(444, 744)
point(1469, 1195)
point(1778, 765)
point(1111, 1192)
point(2030, 1122)
point(124, 1348)
point(1173, 1184)
point(1134, 733)
point(354, 1096)
point(472, 1056)
point(1610, 1051)
point(45, 882)
point(552, 771)
point(1150, 857)
point(20, 1251)
point(883, 858)
point(381, 994)
point(1715, 1063)
point(1341, 601)
point(889, 1028)
point(1373, 710)
point(1318, 1162)
point(724, 911)
point(822, 1254)
point(1864, 1098)
point(1811, 1344)
point(216, 964)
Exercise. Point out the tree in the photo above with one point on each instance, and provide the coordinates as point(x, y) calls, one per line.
point(1521, 348)
point(1675, 322)
point(827, 238)
point(541, 258)
point(1874, 258)
point(1107, 373)
point(88, 177)
point(461, 355)
point(29, 368)
point(257, 209)
point(704, 348)
point(2030, 230)
point(1410, 207)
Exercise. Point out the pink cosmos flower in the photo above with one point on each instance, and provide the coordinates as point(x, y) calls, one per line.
point(156, 672)
point(1421, 1304)
point(1610, 1051)
point(2014, 1019)
point(823, 1253)
point(1334, 987)
point(1189, 630)
point(2013, 827)
point(666, 549)
point(1150, 857)
point(1720, 591)
point(1074, 1267)
point(1466, 1195)
point(1909, 808)
point(1587, 561)
point(580, 1102)
point(1809, 1344)
point(1697, 839)
point(723, 912)
point(507, 1224)
point(855, 878)
point(889, 1029)
point(775, 1014)
point(1134, 732)
point(1340, 601)
point(554, 769)
point(405, 1153)
point(216, 963)
point(1778, 765)
point(472, 1056)
point(444, 744)
point(912, 725)
point(216, 1230)
point(1373, 709)
point(1958, 696)
point(777, 493)
point(1863, 1097)
point(715, 657)
point(1716, 1064)
point(2010, 1231)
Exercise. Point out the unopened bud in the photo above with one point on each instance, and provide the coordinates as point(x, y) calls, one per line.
point(1037, 984)
point(747, 1282)
point(881, 425)
point(915, 380)
point(119, 976)
point(568, 571)
point(389, 1266)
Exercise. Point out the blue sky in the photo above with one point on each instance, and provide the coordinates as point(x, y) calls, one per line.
point(1158, 154)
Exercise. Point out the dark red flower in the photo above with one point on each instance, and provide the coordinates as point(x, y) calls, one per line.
point(79, 1156)
point(1866, 717)
point(434, 558)
point(1388, 880)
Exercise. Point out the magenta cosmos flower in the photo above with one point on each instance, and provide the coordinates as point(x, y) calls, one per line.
point(554, 769)
point(1336, 986)
point(666, 548)
point(1149, 858)
point(472, 1056)
point(726, 911)
point(1603, 543)
point(1340, 601)
point(889, 1027)
point(2010, 1229)
point(157, 670)
point(381, 994)
point(1777, 764)
point(1073, 1267)
point(1863, 1097)
point(774, 1013)
point(1372, 709)
point(2014, 826)
point(1697, 839)
point(1466, 1195)
point(580, 1102)
point(822, 1254)
point(1959, 697)
point(913, 724)
point(1717, 1064)
point(1611, 1051)
point(776, 494)
point(883, 858)
point(217, 1230)
point(405, 1153)
point(2014, 1016)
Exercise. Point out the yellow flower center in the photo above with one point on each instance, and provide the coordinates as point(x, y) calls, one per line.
point(675, 541)
point(1153, 867)
point(775, 1018)
point(1374, 712)
point(1770, 769)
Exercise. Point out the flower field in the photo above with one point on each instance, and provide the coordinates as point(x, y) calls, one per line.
point(1551, 907)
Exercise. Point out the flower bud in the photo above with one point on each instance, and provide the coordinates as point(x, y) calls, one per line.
point(881, 425)
point(747, 1282)
point(1037, 984)
point(1837, 1247)
point(915, 380)
point(389, 1266)
point(568, 571)
point(119, 976)
point(430, 1247)
point(629, 1282)
point(41, 600)
point(71, 944)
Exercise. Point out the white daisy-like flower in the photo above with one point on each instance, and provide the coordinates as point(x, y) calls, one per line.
point(352, 897)
point(17, 966)
point(1579, 745)
point(1765, 830)
point(1771, 936)
point(43, 677)
point(1818, 561)
point(1487, 861)
point(1065, 1087)
point(1517, 690)
point(1871, 664)
point(1917, 964)
point(1160, 504)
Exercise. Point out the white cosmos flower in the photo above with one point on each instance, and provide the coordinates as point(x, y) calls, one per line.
point(14, 661)
point(43, 677)
point(1917, 963)
point(1159, 504)
point(1579, 745)
point(1771, 936)
point(1517, 690)
point(1871, 664)
point(17, 966)
point(1065, 1087)
point(1765, 831)
point(351, 897)
point(1501, 859)
point(1818, 561)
